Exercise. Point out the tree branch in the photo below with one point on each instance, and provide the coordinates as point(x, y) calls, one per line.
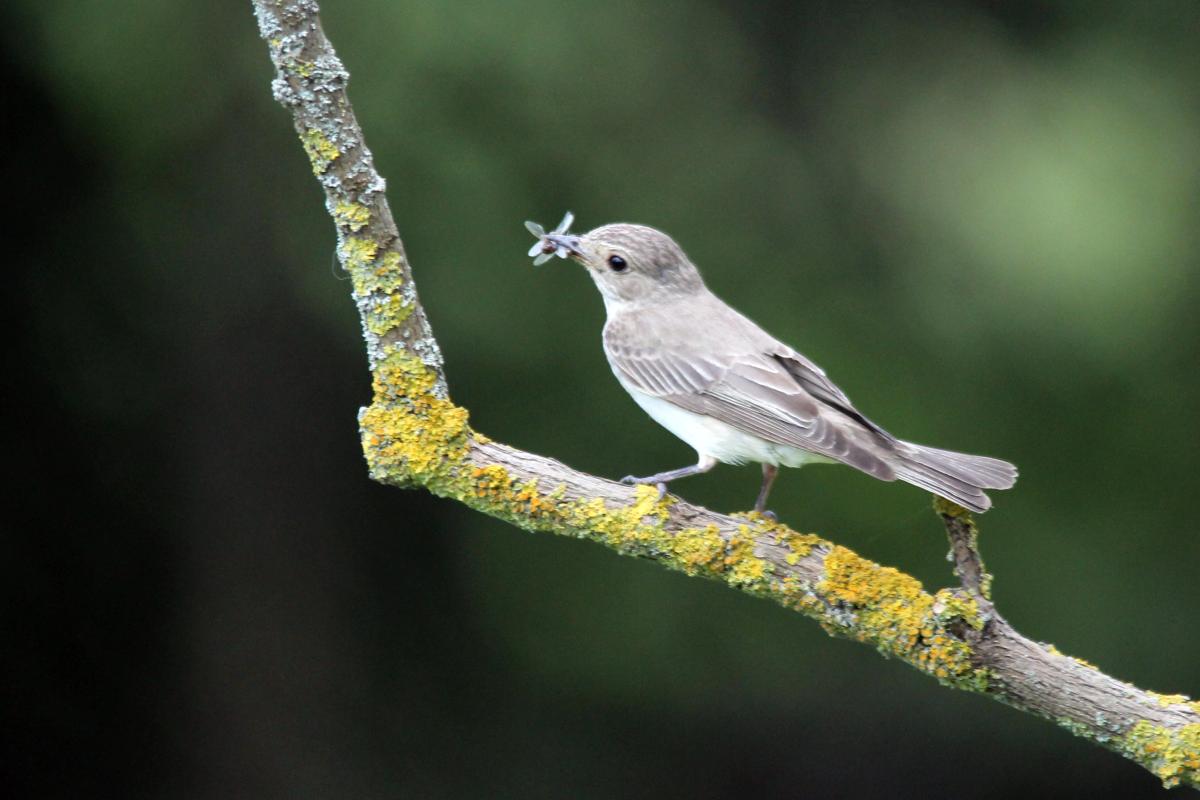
point(414, 435)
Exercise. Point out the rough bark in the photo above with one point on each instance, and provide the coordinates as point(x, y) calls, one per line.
point(414, 435)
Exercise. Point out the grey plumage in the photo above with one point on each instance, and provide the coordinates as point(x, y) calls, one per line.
point(668, 338)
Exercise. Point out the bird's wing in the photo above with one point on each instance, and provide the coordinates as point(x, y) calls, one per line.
point(814, 379)
point(767, 391)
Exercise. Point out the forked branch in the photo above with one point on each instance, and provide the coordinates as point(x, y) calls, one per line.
point(414, 435)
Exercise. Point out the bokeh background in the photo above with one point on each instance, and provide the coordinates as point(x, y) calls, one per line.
point(979, 216)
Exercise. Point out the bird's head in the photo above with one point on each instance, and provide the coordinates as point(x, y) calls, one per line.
point(629, 263)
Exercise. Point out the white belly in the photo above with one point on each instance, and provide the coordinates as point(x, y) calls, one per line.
point(711, 437)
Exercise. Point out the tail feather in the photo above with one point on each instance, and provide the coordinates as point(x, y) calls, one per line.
point(983, 471)
point(956, 491)
point(958, 477)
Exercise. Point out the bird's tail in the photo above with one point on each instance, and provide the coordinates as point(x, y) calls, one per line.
point(958, 477)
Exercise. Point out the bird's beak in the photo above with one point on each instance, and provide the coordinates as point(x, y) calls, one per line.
point(567, 241)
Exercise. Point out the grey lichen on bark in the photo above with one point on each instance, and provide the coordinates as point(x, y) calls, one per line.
point(414, 435)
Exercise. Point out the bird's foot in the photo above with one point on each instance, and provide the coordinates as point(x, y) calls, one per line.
point(652, 480)
point(765, 513)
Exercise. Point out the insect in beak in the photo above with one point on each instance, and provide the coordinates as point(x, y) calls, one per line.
point(555, 243)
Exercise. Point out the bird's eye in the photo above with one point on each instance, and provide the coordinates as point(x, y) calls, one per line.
point(617, 264)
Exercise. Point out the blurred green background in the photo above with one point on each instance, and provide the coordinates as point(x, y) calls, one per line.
point(980, 217)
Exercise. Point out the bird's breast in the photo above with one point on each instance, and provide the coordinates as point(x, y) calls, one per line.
point(711, 437)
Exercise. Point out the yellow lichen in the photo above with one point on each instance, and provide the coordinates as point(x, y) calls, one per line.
point(800, 544)
point(854, 580)
point(1165, 700)
point(891, 607)
point(699, 550)
point(321, 152)
point(892, 611)
point(357, 254)
point(354, 216)
point(951, 509)
point(634, 528)
point(628, 528)
point(949, 603)
point(403, 377)
point(378, 279)
point(490, 481)
point(386, 312)
point(371, 274)
point(409, 434)
point(1173, 754)
point(493, 484)
point(744, 567)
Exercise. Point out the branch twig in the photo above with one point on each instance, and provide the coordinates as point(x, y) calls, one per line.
point(413, 434)
point(964, 551)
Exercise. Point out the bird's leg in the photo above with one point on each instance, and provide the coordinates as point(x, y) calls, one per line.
point(760, 505)
point(661, 479)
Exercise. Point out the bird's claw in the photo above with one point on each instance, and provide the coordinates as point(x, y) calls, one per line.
point(633, 480)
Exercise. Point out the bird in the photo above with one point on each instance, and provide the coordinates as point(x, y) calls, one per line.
point(733, 392)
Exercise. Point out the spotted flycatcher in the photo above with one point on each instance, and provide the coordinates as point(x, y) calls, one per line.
point(728, 388)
